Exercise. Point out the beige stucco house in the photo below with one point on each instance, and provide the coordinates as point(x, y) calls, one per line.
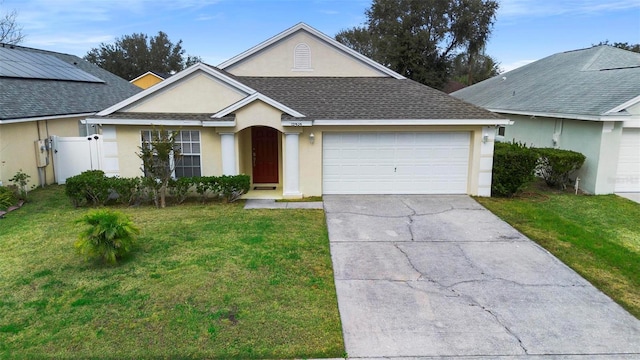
point(45, 94)
point(304, 115)
point(586, 100)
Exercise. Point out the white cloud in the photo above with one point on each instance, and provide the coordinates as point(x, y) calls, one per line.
point(536, 8)
point(69, 39)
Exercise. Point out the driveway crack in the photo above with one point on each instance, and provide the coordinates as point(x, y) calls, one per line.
point(372, 215)
point(413, 266)
point(410, 216)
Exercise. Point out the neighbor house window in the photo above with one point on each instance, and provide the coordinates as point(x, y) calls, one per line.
point(188, 141)
point(302, 57)
point(501, 130)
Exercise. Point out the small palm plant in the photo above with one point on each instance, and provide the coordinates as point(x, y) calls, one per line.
point(110, 236)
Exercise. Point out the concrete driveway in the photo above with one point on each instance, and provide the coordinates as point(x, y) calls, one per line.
point(440, 276)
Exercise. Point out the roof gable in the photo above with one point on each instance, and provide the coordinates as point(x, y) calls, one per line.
point(176, 79)
point(154, 99)
point(582, 84)
point(330, 51)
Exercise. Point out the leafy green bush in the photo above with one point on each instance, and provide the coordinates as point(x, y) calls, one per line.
point(7, 197)
point(94, 188)
point(205, 186)
point(556, 165)
point(21, 180)
point(90, 187)
point(179, 188)
point(128, 189)
point(232, 187)
point(110, 235)
point(513, 167)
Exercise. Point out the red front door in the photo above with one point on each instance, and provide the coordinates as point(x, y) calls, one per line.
point(264, 144)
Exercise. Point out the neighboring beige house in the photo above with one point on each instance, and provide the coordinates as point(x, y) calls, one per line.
point(304, 115)
point(44, 94)
point(585, 100)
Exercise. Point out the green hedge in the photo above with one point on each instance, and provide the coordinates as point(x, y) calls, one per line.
point(556, 165)
point(93, 188)
point(513, 168)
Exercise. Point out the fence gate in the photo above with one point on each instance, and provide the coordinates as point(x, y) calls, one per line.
point(73, 155)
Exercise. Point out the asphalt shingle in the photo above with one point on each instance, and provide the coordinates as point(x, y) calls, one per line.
point(582, 82)
point(339, 98)
point(26, 98)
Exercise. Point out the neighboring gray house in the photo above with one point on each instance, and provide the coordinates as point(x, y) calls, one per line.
point(45, 94)
point(585, 100)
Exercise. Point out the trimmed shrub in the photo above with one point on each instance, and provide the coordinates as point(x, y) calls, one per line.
point(90, 187)
point(205, 186)
point(109, 237)
point(128, 190)
point(232, 187)
point(179, 188)
point(556, 165)
point(513, 168)
point(94, 188)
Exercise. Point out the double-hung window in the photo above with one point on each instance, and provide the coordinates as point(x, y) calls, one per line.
point(188, 141)
point(189, 163)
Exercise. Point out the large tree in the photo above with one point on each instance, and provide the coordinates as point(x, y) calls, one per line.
point(420, 38)
point(470, 71)
point(621, 45)
point(133, 55)
point(10, 30)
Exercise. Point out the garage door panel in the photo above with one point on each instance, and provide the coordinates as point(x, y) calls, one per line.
point(628, 175)
point(395, 163)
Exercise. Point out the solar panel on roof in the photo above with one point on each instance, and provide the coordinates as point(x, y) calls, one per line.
point(32, 65)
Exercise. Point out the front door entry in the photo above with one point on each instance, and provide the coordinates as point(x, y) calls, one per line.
point(264, 146)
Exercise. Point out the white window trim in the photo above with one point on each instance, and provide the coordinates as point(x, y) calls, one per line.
point(171, 162)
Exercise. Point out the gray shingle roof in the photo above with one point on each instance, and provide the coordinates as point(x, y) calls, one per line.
point(26, 98)
point(582, 82)
point(364, 98)
point(165, 116)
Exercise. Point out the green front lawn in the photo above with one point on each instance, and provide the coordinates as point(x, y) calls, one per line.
point(598, 236)
point(206, 281)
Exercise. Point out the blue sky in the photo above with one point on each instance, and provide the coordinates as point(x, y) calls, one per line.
point(215, 30)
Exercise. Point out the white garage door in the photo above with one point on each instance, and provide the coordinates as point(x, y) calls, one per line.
point(628, 177)
point(395, 163)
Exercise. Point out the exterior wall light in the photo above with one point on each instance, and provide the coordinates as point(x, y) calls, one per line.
point(312, 138)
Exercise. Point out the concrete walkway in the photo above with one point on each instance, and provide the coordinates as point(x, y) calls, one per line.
point(442, 277)
point(631, 196)
point(272, 204)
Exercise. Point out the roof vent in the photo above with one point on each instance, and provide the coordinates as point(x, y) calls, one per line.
point(302, 57)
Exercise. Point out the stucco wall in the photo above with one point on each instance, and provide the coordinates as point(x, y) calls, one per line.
point(17, 150)
point(597, 141)
point(128, 141)
point(198, 93)
point(278, 60)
